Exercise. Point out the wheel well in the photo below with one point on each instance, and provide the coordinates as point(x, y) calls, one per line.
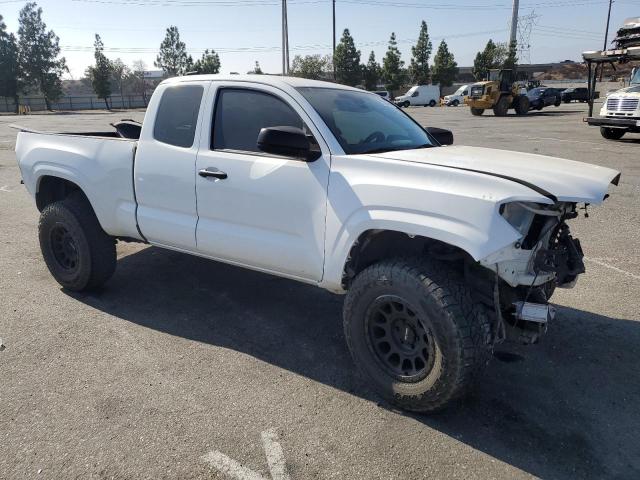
point(375, 245)
point(51, 189)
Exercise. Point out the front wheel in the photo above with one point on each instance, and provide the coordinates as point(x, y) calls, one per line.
point(456, 103)
point(406, 104)
point(502, 107)
point(78, 253)
point(557, 103)
point(415, 332)
point(477, 111)
point(612, 133)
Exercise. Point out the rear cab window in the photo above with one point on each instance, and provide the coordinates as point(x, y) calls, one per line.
point(177, 115)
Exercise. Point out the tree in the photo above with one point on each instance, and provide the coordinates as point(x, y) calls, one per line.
point(392, 66)
point(445, 67)
point(9, 72)
point(209, 63)
point(100, 73)
point(511, 60)
point(172, 58)
point(38, 54)
point(120, 73)
point(421, 52)
point(313, 67)
point(139, 67)
point(493, 56)
point(347, 61)
point(257, 70)
point(371, 72)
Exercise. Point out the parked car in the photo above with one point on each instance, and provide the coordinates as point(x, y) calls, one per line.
point(425, 95)
point(543, 97)
point(442, 251)
point(579, 94)
point(384, 94)
point(457, 97)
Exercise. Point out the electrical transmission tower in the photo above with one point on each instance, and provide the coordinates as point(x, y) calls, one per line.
point(525, 26)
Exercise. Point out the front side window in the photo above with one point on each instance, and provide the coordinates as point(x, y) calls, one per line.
point(365, 123)
point(177, 115)
point(241, 114)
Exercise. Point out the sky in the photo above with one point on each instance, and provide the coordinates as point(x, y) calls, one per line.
point(246, 31)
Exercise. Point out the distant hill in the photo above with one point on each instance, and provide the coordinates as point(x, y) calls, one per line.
point(578, 71)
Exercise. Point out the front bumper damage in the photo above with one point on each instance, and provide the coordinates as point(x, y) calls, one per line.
point(526, 273)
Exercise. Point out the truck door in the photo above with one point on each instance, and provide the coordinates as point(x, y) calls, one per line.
point(262, 211)
point(164, 170)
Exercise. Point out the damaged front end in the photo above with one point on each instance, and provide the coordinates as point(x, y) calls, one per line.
point(524, 275)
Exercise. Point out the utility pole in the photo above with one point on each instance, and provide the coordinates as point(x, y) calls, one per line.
point(514, 22)
point(333, 57)
point(284, 71)
point(606, 31)
point(286, 37)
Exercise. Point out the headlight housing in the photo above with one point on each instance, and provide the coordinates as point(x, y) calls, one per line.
point(518, 216)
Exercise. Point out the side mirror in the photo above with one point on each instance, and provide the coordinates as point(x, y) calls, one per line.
point(286, 141)
point(443, 136)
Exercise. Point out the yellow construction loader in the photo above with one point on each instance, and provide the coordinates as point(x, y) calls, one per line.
point(499, 93)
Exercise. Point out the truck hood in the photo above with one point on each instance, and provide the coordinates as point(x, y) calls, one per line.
point(632, 91)
point(556, 178)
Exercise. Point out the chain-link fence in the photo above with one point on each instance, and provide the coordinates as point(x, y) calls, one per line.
point(74, 102)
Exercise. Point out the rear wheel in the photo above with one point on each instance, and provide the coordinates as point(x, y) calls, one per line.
point(501, 108)
point(432, 103)
point(521, 105)
point(78, 253)
point(612, 133)
point(557, 103)
point(415, 332)
point(477, 111)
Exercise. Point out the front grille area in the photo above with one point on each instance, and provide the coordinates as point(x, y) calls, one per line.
point(622, 104)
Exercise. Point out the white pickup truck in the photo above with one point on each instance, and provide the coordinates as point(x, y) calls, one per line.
point(442, 251)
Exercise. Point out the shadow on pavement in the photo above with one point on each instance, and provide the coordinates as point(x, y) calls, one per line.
point(567, 409)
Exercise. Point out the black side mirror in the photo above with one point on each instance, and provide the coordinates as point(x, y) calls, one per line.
point(443, 136)
point(286, 141)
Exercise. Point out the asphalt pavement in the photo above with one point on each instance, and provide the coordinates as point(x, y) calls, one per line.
point(185, 368)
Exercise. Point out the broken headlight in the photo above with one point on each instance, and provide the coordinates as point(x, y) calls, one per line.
point(519, 215)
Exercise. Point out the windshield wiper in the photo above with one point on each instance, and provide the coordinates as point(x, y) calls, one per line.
point(387, 149)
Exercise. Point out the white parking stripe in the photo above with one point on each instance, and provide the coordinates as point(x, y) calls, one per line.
point(619, 270)
point(230, 467)
point(234, 469)
point(275, 455)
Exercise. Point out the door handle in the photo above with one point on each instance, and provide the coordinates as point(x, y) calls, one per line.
point(212, 172)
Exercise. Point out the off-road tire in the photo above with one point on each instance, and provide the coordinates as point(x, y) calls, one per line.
point(612, 133)
point(501, 108)
point(477, 111)
point(521, 105)
point(458, 329)
point(78, 253)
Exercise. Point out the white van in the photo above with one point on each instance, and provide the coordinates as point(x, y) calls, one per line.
point(420, 95)
point(457, 97)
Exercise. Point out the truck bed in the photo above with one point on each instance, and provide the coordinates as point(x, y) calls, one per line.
point(100, 163)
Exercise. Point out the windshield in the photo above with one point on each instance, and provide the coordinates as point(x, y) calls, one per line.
point(460, 90)
point(635, 80)
point(365, 123)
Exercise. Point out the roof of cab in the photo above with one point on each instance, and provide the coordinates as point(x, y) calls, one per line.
point(275, 80)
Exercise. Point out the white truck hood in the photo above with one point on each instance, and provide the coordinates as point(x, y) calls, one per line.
point(558, 179)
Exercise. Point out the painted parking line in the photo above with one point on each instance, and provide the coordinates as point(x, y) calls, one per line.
point(611, 267)
point(234, 469)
